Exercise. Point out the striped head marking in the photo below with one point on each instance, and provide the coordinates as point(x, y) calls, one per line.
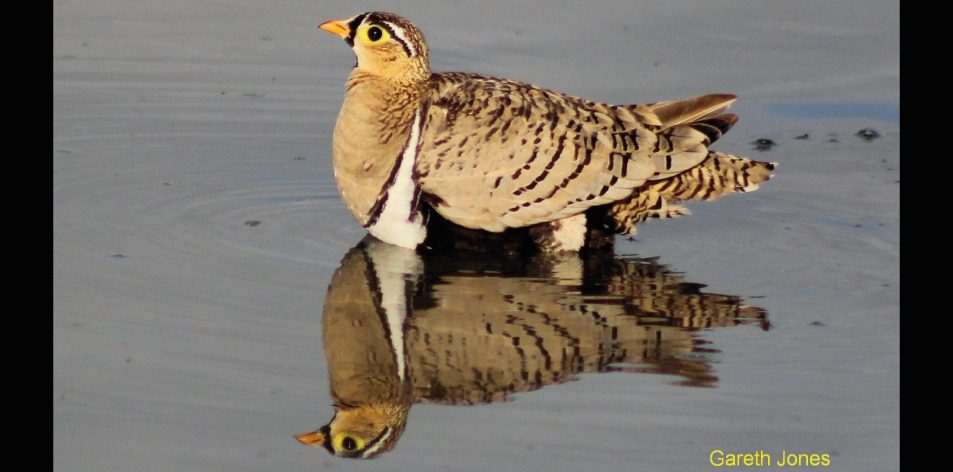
point(361, 432)
point(384, 43)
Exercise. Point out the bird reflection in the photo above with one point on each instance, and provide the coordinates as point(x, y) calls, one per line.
point(464, 328)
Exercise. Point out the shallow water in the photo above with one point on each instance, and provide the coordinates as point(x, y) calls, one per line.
point(473, 327)
point(197, 228)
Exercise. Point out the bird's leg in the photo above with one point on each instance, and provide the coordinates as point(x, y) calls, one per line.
point(567, 234)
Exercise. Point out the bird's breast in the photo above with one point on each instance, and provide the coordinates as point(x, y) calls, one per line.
point(369, 140)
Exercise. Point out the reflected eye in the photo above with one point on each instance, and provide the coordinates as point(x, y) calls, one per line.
point(374, 33)
point(346, 442)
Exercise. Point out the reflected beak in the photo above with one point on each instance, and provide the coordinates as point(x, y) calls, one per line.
point(336, 27)
point(315, 438)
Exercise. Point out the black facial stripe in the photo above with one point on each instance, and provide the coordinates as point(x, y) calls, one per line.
point(398, 39)
point(326, 431)
point(352, 28)
point(375, 440)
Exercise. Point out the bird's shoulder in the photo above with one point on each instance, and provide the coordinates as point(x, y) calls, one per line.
point(487, 100)
point(497, 153)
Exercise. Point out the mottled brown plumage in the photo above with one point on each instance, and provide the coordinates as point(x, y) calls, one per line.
point(493, 154)
point(467, 328)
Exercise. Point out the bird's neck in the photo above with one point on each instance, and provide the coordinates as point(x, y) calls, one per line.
point(410, 79)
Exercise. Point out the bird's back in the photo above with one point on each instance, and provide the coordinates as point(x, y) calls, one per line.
point(500, 154)
point(493, 154)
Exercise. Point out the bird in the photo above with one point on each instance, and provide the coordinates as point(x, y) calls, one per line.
point(494, 154)
point(366, 312)
point(400, 328)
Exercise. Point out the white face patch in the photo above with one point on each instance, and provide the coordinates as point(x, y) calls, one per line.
point(400, 33)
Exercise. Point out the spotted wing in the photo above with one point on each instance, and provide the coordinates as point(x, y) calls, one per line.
point(500, 154)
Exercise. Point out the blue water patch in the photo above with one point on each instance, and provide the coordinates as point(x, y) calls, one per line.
point(884, 111)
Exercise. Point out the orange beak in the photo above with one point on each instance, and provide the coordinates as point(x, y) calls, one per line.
point(336, 27)
point(314, 438)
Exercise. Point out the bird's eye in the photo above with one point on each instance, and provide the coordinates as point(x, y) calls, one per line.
point(374, 33)
point(346, 442)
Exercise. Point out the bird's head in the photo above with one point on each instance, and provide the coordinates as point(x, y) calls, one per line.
point(385, 45)
point(360, 432)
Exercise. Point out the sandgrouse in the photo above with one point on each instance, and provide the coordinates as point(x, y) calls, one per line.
point(400, 328)
point(492, 154)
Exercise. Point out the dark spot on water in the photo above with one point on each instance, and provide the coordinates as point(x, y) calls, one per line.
point(118, 256)
point(265, 38)
point(857, 225)
point(896, 181)
point(867, 134)
point(253, 94)
point(252, 223)
point(817, 323)
point(298, 158)
point(833, 140)
point(166, 184)
point(803, 136)
point(763, 144)
point(63, 151)
point(883, 111)
point(787, 227)
point(128, 360)
point(656, 64)
point(85, 44)
point(886, 285)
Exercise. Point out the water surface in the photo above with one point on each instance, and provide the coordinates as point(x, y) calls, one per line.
point(197, 229)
